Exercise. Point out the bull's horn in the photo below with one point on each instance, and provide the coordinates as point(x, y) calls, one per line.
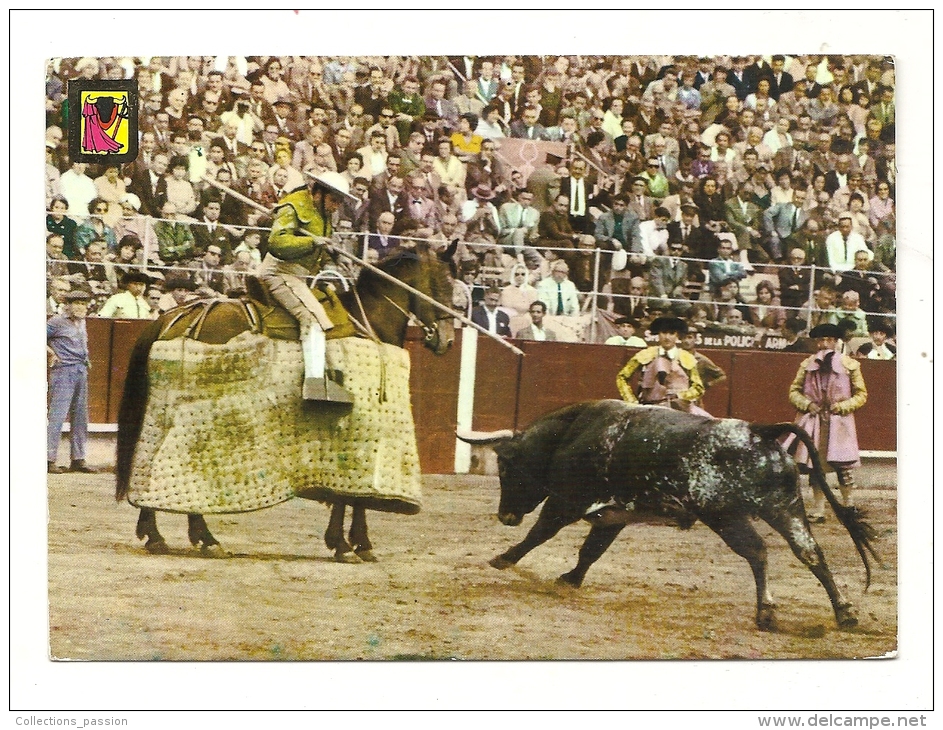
point(484, 437)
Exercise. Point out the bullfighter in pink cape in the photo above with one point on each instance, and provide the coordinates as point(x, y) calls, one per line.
point(827, 390)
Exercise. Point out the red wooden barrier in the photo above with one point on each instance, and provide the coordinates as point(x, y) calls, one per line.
point(99, 376)
point(124, 334)
point(497, 391)
point(556, 374)
point(716, 400)
point(512, 392)
point(433, 386)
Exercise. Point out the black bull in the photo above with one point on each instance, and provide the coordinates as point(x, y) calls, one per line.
point(661, 461)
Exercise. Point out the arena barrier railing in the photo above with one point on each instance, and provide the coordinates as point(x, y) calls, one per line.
point(143, 227)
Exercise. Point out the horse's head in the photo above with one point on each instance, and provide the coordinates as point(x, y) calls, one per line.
point(425, 273)
point(437, 325)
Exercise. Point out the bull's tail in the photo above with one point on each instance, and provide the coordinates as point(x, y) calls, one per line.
point(131, 411)
point(862, 533)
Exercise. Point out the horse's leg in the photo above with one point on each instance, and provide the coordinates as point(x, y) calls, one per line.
point(358, 535)
point(334, 537)
point(147, 527)
point(199, 533)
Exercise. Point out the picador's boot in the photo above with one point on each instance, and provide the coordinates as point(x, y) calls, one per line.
point(317, 387)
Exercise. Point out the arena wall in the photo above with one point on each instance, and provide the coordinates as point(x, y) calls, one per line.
point(512, 392)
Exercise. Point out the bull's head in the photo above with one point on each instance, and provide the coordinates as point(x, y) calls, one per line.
point(522, 489)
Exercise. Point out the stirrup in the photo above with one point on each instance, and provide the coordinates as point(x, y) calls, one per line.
point(325, 390)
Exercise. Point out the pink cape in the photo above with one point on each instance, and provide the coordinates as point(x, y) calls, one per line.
point(95, 139)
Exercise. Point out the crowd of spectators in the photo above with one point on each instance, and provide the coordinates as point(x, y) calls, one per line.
point(687, 183)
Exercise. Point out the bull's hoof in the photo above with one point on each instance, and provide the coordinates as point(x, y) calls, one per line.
point(157, 547)
point(766, 618)
point(568, 579)
point(846, 616)
point(214, 551)
point(366, 556)
point(500, 562)
point(350, 557)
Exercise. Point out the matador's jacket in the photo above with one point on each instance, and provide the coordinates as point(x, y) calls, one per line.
point(664, 379)
point(833, 382)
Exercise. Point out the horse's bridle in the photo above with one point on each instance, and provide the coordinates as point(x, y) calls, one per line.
point(430, 332)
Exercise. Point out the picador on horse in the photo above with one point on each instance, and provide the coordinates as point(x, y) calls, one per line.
point(291, 257)
point(212, 421)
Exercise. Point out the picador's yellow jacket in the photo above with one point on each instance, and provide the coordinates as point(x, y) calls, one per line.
point(301, 256)
point(296, 210)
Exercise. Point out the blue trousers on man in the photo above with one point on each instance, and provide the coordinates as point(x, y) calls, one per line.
point(68, 385)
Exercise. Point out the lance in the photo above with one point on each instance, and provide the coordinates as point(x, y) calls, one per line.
point(457, 72)
point(331, 246)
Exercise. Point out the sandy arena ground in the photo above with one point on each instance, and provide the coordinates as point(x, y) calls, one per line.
point(659, 593)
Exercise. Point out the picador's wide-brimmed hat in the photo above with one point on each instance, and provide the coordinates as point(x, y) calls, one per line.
point(332, 182)
point(668, 324)
point(825, 330)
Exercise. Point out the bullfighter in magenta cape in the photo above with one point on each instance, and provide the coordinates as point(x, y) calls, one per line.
point(96, 138)
point(292, 256)
point(827, 390)
point(669, 374)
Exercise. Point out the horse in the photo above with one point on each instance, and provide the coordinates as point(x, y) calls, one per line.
point(376, 305)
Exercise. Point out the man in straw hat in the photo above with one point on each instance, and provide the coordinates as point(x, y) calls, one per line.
point(291, 257)
point(669, 375)
point(482, 224)
point(827, 390)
